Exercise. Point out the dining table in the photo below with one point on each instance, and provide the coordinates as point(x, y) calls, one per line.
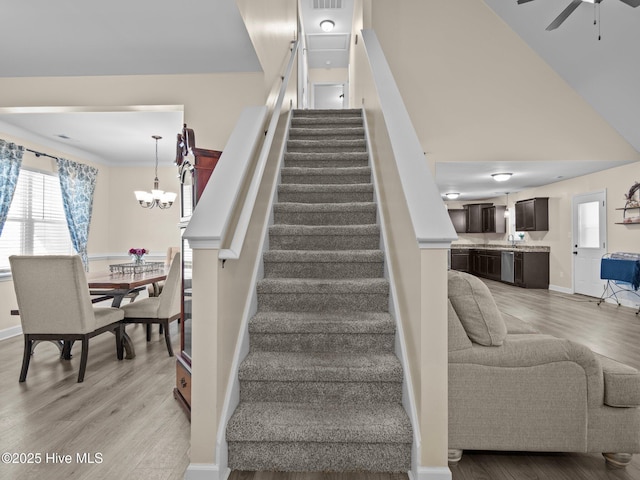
point(116, 286)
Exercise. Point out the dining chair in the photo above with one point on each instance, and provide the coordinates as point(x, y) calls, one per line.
point(155, 289)
point(54, 304)
point(162, 309)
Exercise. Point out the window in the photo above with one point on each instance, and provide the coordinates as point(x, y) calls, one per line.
point(36, 223)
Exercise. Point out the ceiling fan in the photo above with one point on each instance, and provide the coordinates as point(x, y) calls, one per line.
point(572, 6)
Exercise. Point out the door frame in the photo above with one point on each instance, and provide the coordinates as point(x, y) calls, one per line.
point(602, 194)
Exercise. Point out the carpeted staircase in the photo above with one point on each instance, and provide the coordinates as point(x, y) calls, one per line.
point(321, 388)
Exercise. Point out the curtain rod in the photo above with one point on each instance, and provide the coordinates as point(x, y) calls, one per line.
point(41, 154)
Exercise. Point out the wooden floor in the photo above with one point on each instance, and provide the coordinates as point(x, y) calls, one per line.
point(126, 411)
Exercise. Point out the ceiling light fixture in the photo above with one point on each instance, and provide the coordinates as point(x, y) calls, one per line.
point(327, 25)
point(452, 195)
point(506, 210)
point(156, 197)
point(501, 177)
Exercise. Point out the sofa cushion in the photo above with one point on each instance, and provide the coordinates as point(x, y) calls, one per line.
point(621, 383)
point(478, 313)
point(458, 339)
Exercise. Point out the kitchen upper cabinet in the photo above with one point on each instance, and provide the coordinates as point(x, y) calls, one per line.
point(493, 219)
point(474, 216)
point(532, 214)
point(459, 219)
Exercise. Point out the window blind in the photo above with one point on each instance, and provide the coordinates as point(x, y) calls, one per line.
point(36, 224)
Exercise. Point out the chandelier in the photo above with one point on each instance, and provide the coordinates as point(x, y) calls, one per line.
point(156, 197)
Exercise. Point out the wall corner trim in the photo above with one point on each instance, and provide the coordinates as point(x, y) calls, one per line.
point(431, 473)
point(205, 471)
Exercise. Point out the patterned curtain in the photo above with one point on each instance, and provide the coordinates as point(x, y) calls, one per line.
point(77, 182)
point(10, 161)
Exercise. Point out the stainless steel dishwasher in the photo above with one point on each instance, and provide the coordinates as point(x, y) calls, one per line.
point(506, 267)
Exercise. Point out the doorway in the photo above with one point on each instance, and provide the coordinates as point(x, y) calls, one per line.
point(589, 242)
point(329, 96)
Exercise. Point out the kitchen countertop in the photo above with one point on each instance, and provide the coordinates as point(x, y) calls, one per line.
point(508, 248)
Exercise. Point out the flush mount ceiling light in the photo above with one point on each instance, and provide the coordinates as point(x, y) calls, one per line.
point(156, 197)
point(327, 25)
point(452, 195)
point(501, 177)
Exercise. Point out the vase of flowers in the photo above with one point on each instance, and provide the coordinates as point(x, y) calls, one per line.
point(137, 255)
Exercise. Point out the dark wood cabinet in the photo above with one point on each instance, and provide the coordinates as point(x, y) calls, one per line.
point(493, 219)
point(531, 269)
point(459, 219)
point(532, 214)
point(460, 259)
point(486, 263)
point(473, 216)
point(195, 168)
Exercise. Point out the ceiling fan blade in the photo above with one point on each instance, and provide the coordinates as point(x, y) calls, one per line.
point(563, 16)
point(520, 2)
point(632, 3)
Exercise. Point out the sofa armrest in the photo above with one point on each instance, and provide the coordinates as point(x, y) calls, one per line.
point(528, 350)
point(621, 383)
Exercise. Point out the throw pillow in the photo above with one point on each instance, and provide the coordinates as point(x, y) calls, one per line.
point(476, 308)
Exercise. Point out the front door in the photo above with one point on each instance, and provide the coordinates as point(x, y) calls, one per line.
point(589, 242)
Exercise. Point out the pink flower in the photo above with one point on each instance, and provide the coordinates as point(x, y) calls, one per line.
point(138, 252)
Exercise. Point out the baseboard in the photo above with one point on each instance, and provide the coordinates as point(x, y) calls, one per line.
point(556, 288)
point(206, 471)
point(10, 332)
point(431, 473)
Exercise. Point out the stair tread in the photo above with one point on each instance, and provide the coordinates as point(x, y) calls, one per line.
point(284, 229)
point(324, 207)
point(324, 256)
point(327, 155)
point(319, 423)
point(325, 187)
point(326, 170)
point(317, 322)
point(320, 286)
point(320, 367)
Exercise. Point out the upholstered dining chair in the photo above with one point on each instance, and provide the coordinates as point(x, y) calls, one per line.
point(162, 309)
point(54, 304)
point(154, 290)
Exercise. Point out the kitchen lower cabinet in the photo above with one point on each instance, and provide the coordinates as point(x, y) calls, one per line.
point(531, 269)
point(460, 259)
point(487, 263)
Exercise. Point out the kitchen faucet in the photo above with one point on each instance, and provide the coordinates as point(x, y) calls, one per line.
point(512, 238)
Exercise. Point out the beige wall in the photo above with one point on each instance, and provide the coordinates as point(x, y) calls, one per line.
point(271, 26)
point(476, 92)
point(620, 238)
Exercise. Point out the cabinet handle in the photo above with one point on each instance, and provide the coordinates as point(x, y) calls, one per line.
point(183, 382)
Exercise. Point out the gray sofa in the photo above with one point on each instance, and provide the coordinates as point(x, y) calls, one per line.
point(513, 388)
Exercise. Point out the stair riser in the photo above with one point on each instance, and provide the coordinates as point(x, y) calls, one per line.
point(322, 197)
point(328, 163)
point(307, 456)
point(322, 342)
point(325, 218)
point(336, 179)
point(321, 392)
point(329, 138)
point(327, 302)
point(326, 148)
point(347, 122)
point(335, 270)
point(324, 242)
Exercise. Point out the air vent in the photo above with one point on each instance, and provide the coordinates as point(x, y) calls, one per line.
point(326, 4)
